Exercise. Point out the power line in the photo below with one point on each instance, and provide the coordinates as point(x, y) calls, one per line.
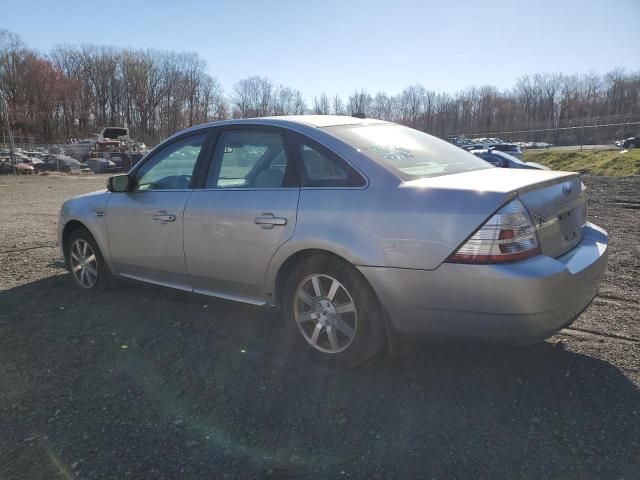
point(551, 129)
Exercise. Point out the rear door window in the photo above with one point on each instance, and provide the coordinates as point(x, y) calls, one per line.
point(249, 159)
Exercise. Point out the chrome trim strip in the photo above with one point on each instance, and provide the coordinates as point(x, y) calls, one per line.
point(228, 296)
point(157, 282)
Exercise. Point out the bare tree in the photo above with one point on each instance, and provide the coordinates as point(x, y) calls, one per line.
point(254, 97)
point(360, 103)
point(337, 105)
point(75, 90)
point(321, 105)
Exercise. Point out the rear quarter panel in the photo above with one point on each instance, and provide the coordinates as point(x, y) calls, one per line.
point(388, 226)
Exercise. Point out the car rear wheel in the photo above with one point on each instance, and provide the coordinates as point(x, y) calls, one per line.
point(332, 313)
point(86, 264)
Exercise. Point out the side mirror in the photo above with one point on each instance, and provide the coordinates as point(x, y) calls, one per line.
point(119, 183)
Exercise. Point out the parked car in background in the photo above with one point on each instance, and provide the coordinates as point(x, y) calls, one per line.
point(102, 165)
point(510, 148)
point(6, 166)
point(631, 142)
point(25, 168)
point(19, 165)
point(35, 155)
point(62, 163)
point(504, 160)
point(534, 145)
point(359, 230)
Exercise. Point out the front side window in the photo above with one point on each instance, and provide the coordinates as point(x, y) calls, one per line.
point(248, 159)
point(172, 167)
point(407, 152)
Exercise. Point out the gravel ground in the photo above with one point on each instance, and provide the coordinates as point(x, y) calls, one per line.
point(143, 382)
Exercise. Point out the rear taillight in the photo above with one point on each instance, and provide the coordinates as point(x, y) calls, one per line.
point(507, 236)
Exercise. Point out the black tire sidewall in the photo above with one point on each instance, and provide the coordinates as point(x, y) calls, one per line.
point(370, 326)
point(102, 283)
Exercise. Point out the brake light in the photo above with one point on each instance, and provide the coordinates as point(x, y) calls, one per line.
point(506, 237)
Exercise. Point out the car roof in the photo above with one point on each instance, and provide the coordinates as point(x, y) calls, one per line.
point(322, 120)
point(317, 121)
point(300, 123)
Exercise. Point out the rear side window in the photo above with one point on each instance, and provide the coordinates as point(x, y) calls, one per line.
point(319, 167)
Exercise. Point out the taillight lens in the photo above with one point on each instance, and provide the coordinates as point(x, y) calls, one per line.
point(507, 236)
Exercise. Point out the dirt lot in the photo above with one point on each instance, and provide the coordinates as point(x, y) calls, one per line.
point(145, 383)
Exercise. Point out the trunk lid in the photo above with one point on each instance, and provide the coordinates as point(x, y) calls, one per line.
point(558, 209)
point(555, 200)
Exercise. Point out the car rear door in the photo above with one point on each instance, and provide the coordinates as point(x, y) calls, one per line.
point(245, 211)
point(145, 226)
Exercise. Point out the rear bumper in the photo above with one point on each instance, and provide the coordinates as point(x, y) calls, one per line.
point(520, 302)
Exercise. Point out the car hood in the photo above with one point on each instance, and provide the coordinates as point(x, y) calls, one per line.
point(91, 194)
point(83, 205)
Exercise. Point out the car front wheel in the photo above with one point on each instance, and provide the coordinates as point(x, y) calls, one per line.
point(86, 264)
point(332, 312)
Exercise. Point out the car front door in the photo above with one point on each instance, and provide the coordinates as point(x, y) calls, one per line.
point(245, 212)
point(145, 225)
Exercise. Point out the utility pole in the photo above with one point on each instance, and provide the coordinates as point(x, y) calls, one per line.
point(12, 147)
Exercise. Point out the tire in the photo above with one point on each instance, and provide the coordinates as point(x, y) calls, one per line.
point(88, 269)
point(344, 325)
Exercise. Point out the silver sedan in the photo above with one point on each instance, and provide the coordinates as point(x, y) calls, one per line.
point(357, 230)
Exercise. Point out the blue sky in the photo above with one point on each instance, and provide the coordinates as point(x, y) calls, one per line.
point(336, 46)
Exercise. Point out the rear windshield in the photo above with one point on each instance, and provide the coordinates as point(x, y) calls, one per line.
point(407, 152)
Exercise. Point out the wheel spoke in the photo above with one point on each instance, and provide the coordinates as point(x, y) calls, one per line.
point(75, 256)
point(315, 280)
point(321, 293)
point(305, 297)
point(306, 316)
point(76, 268)
point(333, 340)
point(91, 269)
point(83, 277)
point(92, 258)
point(345, 308)
point(344, 328)
point(316, 333)
point(333, 289)
point(84, 249)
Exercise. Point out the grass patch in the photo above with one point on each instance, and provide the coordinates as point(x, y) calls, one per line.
point(616, 163)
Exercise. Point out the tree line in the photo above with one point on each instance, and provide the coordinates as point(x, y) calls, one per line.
point(75, 90)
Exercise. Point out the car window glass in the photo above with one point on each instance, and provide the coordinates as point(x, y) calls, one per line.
point(407, 152)
point(172, 167)
point(248, 159)
point(319, 167)
point(492, 159)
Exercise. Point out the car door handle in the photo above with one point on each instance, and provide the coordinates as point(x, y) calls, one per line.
point(164, 217)
point(268, 220)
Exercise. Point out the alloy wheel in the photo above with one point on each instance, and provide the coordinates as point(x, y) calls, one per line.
point(325, 313)
point(83, 263)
